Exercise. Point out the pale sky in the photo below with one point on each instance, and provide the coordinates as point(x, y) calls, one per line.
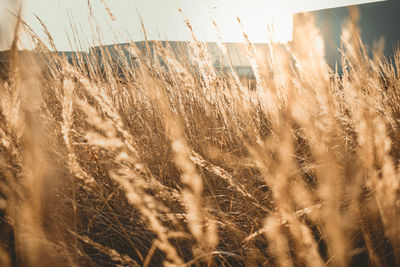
point(162, 19)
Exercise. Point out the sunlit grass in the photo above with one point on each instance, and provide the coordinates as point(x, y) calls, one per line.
point(169, 163)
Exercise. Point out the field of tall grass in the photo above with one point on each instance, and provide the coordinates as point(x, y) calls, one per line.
point(177, 164)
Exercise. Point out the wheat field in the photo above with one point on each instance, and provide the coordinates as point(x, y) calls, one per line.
point(172, 163)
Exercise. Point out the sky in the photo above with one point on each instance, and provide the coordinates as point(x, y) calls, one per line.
point(162, 20)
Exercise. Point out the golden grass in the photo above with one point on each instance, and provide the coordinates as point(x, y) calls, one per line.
point(178, 166)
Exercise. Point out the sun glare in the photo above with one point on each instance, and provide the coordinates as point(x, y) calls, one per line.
point(280, 28)
point(264, 24)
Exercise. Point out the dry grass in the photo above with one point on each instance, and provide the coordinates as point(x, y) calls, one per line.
point(180, 166)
